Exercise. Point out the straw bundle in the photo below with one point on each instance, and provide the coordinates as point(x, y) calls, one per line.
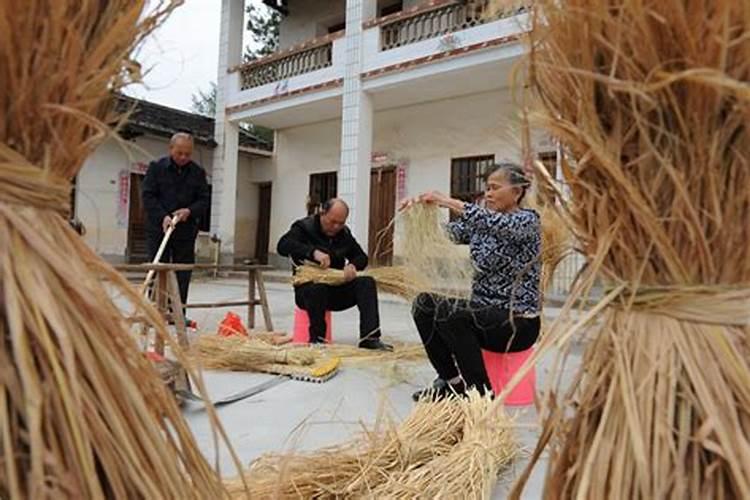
point(651, 98)
point(366, 467)
point(470, 469)
point(397, 280)
point(245, 354)
point(355, 356)
point(259, 353)
point(428, 251)
point(83, 414)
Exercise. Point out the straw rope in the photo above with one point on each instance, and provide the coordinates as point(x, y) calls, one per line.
point(23, 184)
point(718, 305)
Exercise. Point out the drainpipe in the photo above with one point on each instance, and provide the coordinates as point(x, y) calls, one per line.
point(217, 253)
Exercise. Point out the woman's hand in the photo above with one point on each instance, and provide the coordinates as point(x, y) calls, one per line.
point(408, 202)
point(434, 197)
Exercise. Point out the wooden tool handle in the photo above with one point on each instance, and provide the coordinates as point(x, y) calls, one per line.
point(157, 258)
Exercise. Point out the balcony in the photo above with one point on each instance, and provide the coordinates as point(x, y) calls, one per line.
point(437, 50)
point(434, 21)
point(282, 67)
point(440, 51)
point(306, 77)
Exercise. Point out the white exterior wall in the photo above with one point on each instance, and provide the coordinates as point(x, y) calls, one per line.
point(430, 135)
point(300, 151)
point(309, 19)
point(98, 188)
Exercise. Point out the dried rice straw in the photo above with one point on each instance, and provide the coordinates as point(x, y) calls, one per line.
point(427, 250)
point(366, 467)
point(651, 98)
point(83, 414)
point(396, 280)
point(246, 354)
point(256, 354)
point(355, 356)
point(470, 469)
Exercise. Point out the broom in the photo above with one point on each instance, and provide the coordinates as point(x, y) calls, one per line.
point(83, 414)
point(651, 100)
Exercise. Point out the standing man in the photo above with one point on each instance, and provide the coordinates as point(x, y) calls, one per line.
point(325, 239)
point(175, 186)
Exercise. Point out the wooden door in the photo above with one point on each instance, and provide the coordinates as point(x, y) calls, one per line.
point(382, 211)
point(137, 251)
point(263, 232)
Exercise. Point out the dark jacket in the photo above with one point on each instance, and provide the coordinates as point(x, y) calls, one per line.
point(167, 188)
point(305, 236)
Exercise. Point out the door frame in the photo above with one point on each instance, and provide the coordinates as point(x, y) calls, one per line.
point(375, 245)
point(135, 180)
point(262, 250)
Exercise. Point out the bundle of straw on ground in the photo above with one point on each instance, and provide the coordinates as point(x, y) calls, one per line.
point(365, 467)
point(244, 354)
point(83, 414)
point(652, 100)
point(470, 469)
point(255, 354)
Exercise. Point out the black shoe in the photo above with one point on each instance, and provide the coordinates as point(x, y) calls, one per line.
point(440, 389)
point(375, 345)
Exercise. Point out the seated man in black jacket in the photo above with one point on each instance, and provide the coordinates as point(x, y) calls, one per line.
point(325, 239)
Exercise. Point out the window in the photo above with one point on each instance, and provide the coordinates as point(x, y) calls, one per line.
point(391, 9)
point(549, 160)
point(322, 189)
point(468, 176)
point(337, 27)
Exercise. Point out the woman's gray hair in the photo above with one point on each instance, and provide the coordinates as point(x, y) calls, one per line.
point(514, 173)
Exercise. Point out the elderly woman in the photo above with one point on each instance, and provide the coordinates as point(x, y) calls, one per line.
point(502, 314)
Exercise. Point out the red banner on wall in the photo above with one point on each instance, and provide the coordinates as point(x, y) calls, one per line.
point(400, 182)
point(123, 198)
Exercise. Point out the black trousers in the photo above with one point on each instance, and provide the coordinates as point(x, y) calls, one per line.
point(316, 299)
point(176, 252)
point(454, 332)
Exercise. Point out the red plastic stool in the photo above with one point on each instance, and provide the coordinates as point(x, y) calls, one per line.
point(302, 327)
point(501, 367)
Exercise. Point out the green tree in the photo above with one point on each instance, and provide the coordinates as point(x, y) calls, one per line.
point(263, 25)
point(204, 102)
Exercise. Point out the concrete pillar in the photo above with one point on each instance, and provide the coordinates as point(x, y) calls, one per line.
point(356, 124)
point(226, 133)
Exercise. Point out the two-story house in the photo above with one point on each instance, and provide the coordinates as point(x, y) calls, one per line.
point(371, 101)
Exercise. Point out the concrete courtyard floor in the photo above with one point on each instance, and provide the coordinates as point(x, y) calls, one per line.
point(298, 415)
